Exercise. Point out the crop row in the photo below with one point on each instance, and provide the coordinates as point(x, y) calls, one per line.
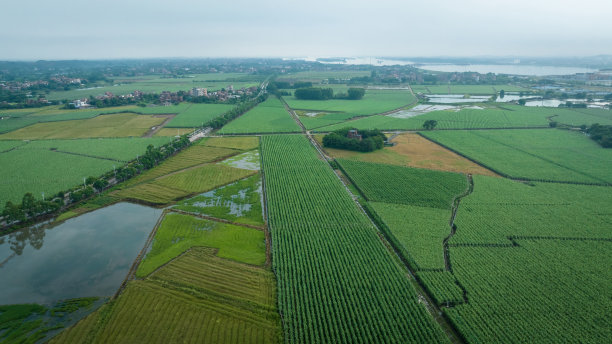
point(398, 184)
point(337, 282)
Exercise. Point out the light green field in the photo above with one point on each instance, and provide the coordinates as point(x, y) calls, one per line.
point(178, 185)
point(197, 114)
point(557, 155)
point(34, 167)
point(192, 156)
point(374, 101)
point(267, 117)
point(178, 233)
point(116, 125)
point(420, 230)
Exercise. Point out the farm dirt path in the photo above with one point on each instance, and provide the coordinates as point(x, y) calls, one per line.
point(155, 129)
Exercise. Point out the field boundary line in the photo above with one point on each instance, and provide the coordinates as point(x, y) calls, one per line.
point(163, 124)
point(264, 200)
point(87, 155)
point(132, 272)
point(216, 219)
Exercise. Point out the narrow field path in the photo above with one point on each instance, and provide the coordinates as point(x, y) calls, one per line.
point(155, 129)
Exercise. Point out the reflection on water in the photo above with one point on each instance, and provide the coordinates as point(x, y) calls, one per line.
point(89, 255)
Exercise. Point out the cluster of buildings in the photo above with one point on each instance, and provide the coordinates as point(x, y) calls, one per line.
point(230, 93)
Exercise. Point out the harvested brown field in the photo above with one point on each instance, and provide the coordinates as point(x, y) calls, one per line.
point(415, 151)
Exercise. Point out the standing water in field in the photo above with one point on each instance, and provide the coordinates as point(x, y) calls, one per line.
point(89, 255)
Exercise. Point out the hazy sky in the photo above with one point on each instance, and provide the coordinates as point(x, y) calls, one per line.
point(71, 29)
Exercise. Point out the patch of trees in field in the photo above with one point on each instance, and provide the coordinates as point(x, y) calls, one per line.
point(601, 134)
point(317, 93)
point(367, 140)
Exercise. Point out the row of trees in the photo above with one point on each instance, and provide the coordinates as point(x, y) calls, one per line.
point(30, 208)
point(236, 111)
point(317, 93)
point(370, 140)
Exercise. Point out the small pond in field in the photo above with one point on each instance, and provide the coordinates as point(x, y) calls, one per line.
point(89, 255)
point(247, 161)
point(455, 98)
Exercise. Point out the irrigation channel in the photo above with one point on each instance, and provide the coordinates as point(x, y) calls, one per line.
point(424, 297)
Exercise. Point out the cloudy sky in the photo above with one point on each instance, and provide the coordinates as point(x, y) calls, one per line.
point(71, 29)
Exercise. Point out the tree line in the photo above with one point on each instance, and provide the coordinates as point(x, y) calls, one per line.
point(31, 208)
point(370, 140)
point(317, 93)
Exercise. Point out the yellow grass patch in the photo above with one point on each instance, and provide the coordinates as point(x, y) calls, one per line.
point(116, 125)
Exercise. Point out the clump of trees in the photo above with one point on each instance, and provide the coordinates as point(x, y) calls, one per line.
point(601, 134)
point(318, 93)
point(430, 124)
point(370, 140)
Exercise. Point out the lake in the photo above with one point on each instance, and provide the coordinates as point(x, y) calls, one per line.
point(516, 69)
point(89, 255)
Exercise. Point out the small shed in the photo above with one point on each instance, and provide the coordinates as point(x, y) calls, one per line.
point(354, 134)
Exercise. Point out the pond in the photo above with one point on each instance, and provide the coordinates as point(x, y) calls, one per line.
point(455, 98)
point(89, 255)
point(247, 161)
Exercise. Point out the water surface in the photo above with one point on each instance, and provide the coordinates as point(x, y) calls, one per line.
point(89, 255)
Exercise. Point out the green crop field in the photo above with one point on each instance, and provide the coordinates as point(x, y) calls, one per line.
point(374, 101)
point(413, 205)
point(556, 155)
point(532, 257)
point(420, 231)
point(311, 122)
point(190, 157)
point(201, 296)
point(323, 245)
point(34, 167)
point(238, 202)
point(178, 233)
point(405, 185)
point(121, 149)
point(197, 114)
point(168, 188)
point(267, 117)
